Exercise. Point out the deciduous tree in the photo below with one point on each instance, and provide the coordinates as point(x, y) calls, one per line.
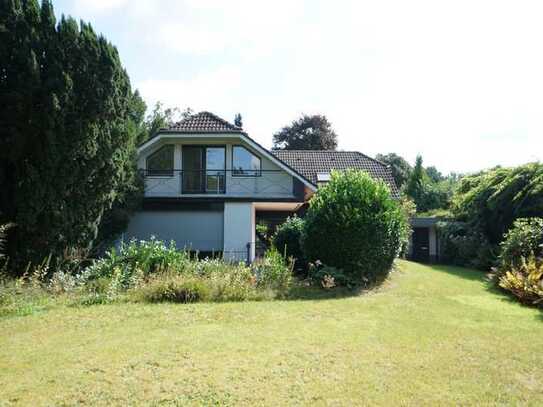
point(307, 133)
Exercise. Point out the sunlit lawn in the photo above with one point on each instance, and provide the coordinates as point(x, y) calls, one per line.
point(432, 335)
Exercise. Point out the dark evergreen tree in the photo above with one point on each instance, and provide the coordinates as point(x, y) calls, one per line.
point(68, 129)
point(307, 133)
point(434, 174)
point(238, 121)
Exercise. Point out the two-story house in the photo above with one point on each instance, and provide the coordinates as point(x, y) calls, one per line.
point(207, 183)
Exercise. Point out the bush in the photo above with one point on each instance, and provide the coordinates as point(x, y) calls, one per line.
point(325, 275)
point(138, 259)
point(525, 280)
point(492, 200)
point(273, 271)
point(173, 288)
point(355, 225)
point(522, 240)
point(288, 240)
point(147, 272)
point(462, 245)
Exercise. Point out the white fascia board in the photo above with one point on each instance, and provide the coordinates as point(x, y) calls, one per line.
point(239, 136)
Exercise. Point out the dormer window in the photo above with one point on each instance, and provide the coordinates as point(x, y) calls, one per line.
point(245, 163)
point(160, 163)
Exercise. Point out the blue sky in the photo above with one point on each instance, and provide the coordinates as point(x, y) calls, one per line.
point(459, 82)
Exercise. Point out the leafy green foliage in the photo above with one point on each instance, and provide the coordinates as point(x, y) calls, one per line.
point(401, 170)
point(492, 200)
point(462, 245)
point(426, 192)
point(172, 288)
point(273, 271)
point(307, 133)
point(288, 240)
point(161, 117)
point(136, 260)
point(147, 271)
point(525, 238)
point(525, 280)
point(324, 275)
point(354, 224)
point(68, 128)
point(3, 240)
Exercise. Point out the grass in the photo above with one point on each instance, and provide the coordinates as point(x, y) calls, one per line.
point(432, 335)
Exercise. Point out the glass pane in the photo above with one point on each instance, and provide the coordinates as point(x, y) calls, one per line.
point(215, 166)
point(244, 162)
point(192, 169)
point(215, 158)
point(160, 163)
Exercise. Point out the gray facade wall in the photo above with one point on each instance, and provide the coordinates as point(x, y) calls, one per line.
point(194, 230)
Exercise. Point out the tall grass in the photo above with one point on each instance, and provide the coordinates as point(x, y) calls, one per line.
point(146, 271)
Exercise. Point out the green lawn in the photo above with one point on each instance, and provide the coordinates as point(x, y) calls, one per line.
point(431, 335)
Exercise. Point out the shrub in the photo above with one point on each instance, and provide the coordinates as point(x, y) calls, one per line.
point(173, 288)
point(522, 240)
point(492, 200)
point(354, 224)
point(321, 274)
point(273, 271)
point(288, 240)
point(462, 245)
point(525, 280)
point(136, 260)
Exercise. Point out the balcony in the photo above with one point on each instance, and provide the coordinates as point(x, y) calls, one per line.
point(256, 183)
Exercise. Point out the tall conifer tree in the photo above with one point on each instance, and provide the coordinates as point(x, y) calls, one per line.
point(68, 129)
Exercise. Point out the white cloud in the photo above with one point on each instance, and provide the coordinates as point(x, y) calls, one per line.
point(459, 82)
point(205, 91)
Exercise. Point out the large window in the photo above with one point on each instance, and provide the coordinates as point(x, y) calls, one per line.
point(203, 169)
point(160, 163)
point(245, 163)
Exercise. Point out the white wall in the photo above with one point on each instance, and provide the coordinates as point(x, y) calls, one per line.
point(196, 230)
point(239, 229)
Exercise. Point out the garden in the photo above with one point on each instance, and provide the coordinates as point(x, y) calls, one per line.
point(301, 259)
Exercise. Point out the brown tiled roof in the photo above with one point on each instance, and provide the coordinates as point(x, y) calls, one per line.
point(311, 162)
point(204, 122)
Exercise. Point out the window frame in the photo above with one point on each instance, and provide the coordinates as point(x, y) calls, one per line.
point(256, 173)
point(171, 173)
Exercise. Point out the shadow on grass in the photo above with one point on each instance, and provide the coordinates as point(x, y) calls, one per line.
point(299, 292)
point(466, 273)
point(489, 283)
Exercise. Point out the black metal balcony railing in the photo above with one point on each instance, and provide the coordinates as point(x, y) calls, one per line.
point(209, 181)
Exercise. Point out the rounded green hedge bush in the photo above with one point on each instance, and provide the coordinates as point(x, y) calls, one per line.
point(354, 224)
point(521, 241)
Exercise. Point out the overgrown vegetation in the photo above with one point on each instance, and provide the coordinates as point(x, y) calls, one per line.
point(523, 240)
point(524, 279)
point(288, 240)
point(520, 268)
point(464, 246)
point(147, 271)
point(355, 225)
point(426, 186)
point(491, 201)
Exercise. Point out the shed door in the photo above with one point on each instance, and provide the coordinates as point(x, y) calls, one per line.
point(421, 244)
